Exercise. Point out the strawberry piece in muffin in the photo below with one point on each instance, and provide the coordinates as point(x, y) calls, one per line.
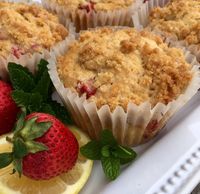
point(86, 87)
point(88, 7)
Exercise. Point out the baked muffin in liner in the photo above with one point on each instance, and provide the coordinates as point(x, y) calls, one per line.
point(85, 16)
point(183, 28)
point(15, 39)
point(132, 126)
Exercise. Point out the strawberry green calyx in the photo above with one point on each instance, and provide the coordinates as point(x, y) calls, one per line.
point(25, 132)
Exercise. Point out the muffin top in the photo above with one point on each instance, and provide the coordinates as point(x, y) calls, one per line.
point(116, 67)
point(96, 5)
point(180, 18)
point(27, 29)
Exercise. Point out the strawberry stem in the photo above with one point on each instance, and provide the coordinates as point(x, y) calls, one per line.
point(8, 139)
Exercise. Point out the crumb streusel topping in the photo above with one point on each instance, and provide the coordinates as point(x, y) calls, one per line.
point(116, 67)
point(27, 29)
point(180, 18)
point(98, 5)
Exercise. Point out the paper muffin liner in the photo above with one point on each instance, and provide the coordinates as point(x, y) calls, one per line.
point(83, 20)
point(30, 60)
point(133, 126)
point(141, 20)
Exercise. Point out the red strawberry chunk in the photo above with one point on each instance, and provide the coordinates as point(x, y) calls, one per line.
point(86, 87)
point(88, 7)
point(35, 46)
point(152, 126)
point(17, 52)
point(151, 129)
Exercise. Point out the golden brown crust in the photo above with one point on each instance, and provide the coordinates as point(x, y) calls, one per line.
point(116, 67)
point(180, 18)
point(97, 5)
point(27, 28)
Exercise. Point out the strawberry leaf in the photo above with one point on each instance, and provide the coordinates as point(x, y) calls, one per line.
point(111, 167)
point(19, 148)
point(34, 147)
point(38, 130)
point(20, 77)
point(5, 159)
point(20, 120)
point(32, 129)
point(91, 150)
point(17, 163)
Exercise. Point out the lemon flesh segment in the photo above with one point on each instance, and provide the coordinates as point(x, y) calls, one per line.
point(67, 183)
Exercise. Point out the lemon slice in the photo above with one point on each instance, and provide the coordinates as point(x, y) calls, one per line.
point(68, 183)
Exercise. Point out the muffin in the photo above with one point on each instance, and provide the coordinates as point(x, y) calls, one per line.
point(179, 20)
point(91, 13)
point(27, 34)
point(123, 80)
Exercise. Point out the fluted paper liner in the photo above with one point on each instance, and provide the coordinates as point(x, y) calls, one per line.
point(31, 60)
point(83, 20)
point(141, 20)
point(131, 127)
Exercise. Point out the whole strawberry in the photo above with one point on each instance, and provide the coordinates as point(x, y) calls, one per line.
point(43, 147)
point(8, 108)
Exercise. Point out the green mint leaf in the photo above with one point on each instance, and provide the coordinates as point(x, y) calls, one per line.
point(21, 98)
point(43, 85)
point(5, 159)
point(35, 102)
point(19, 148)
point(124, 161)
point(31, 101)
point(32, 129)
point(42, 67)
point(91, 150)
point(34, 147)
point(46, 108)
point(17, 163)
point(105, 151)
point(20, 120)
point(20, 77)
point(125, 152)
point(111, 167)
point(107, 138)
point(61, 112)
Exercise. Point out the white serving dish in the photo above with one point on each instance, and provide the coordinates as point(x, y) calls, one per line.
point(169, 164)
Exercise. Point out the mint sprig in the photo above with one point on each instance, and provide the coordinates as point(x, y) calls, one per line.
point(33, 92)
point(109, 152)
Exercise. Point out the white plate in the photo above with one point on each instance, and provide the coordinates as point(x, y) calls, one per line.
point(168, 164)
